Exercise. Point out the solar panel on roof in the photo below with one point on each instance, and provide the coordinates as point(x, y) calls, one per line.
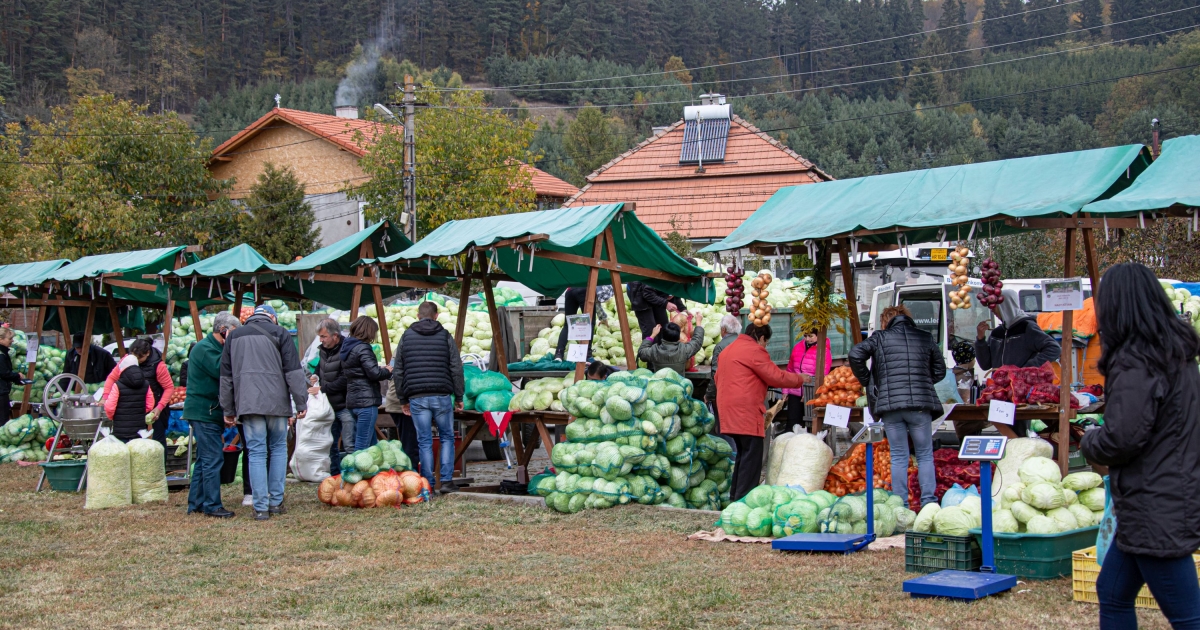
point(704, 140)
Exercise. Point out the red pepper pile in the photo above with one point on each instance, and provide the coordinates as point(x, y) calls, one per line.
point(950, 470)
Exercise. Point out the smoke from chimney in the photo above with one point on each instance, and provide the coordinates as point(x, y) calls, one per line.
point(360, 74)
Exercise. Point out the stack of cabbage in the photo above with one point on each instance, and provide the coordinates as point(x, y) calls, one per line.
point(24, 439)
point(49, 364)
point(540, 395)
point(477, 331)
point(1042, 502)
point(493, 387)
point(1184, 302)
point(638, 438)
point(774, 511)
point(849, 515)
point(364, 464)
point(607, 345)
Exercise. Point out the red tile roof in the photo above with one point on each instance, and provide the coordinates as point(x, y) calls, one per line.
point(701, 205)
point(342, 132)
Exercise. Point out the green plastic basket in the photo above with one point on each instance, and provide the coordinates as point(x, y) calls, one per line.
point(1039, 556)
point(64, 475)
point(926, 553)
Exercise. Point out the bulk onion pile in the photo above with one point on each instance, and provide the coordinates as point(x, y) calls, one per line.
point(841, 388)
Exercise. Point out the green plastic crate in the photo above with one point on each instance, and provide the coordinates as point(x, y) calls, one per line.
point(926, 553)
point(1039, 556)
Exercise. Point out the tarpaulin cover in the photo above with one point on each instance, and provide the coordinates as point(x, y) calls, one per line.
point(571, 231)
point(922, 203)
point(211, 275)
point(25, 280)
point(28, 274)
point(1170, 180)
point(342, 258)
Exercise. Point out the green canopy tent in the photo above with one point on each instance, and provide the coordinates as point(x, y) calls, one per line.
point(22, 287)
point(1170, 186)
point(955, 202)
point(552, 250)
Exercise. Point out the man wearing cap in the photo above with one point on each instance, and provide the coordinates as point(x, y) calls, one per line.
point(663, 350)
point(100, 361)
point(260, 369)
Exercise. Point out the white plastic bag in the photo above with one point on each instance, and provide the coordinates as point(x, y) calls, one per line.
point(775, 458)
point(805, 461)
point(310, 461)
point(108, 475)
point(147, 471)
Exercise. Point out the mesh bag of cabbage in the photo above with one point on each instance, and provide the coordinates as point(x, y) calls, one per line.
point(849, 515)
point(542, 485)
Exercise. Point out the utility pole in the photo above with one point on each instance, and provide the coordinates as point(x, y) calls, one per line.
point(1154, 139)
point(410, 161)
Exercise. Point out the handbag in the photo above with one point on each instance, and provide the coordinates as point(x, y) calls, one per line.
point(1108, 526)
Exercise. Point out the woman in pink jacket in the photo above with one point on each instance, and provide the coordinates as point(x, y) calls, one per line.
point(804, 361)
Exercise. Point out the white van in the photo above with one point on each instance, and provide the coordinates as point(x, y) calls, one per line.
point(927, 297)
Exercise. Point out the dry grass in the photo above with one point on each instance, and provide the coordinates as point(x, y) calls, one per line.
point(454, 563)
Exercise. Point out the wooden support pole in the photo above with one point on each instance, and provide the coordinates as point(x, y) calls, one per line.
point(851, 297)
point(168, 314)
point(464, 294)
point(494, 317)
point(589, 302)
point(822, 332)
point(622, 316)
point(87, 340)
point(41, 318)
point(116, 323)
point(66, 328)
point(377, 294)
point(237, 302)
point(1066, 363)
point(197, 329)
point(1093, 263)
point(356, 293)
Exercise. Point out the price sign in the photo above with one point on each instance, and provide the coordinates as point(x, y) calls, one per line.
point(579, 328)
point(577, 352)
point(1002, 412)
point(837, 416)
point(1065, 294)
point(31, 346)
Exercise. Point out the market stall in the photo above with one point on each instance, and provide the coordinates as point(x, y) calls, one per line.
point(954, 204)
point(550, 251)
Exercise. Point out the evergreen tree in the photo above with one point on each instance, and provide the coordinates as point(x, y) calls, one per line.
point(1091, 19)
point(592, 139)
point(280, 221)
point(8, 85)
point(1047, 21)
point(995, 31)
point(1015, 22)
point(923, 88)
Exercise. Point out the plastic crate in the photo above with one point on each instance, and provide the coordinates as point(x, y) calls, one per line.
point(926, 553)
point(1085, 572)
point(1039, 556)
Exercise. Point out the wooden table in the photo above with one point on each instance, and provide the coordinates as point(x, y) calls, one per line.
point(540, 419)
point(960, 413)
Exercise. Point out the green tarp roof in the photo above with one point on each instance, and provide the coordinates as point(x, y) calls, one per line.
point(241, 259)
point(1172, 179)
point(29, 274)
point(921, 203)
point(571, 230)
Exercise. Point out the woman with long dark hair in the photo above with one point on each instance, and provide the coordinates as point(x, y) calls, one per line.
point(363, 376)
point(1151, 443)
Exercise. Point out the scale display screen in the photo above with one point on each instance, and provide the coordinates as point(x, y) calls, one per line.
point(982, 448)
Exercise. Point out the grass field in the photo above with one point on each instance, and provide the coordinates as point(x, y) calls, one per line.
point(455, 563)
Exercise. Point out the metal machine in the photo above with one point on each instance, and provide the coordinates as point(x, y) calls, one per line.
point(78, 414)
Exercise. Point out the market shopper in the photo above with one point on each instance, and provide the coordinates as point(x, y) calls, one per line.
point(905, 363)
point(8, 377)
point(1150, 441)
point(202, 410)
point(650, 306)
point(746, 373)
point(99, 365)
point(730, 327)
point(804, 361)
point(428, 376)
point(574, 302)
point(598, 371)
point(130, 402)
point(363, 376)
point(260, 369)
point(331, 381)
point(662, 349)
point(158, 377)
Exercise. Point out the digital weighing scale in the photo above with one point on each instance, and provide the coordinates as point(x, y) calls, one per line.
point(970, 585)
point(843, 543)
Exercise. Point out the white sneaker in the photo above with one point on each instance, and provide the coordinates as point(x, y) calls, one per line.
point(248, 500)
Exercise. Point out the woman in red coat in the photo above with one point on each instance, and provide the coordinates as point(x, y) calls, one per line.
point(746, 373)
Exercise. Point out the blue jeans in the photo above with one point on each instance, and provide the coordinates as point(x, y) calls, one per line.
point(364, 426)
point(343, 424)
point(899, 426)
point(204, 495)
point(1171, 581)
point(425, 411)
point(266, 478)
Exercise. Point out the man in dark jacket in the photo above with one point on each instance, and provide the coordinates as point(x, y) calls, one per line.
point(260, 368)
point(100, 362)
point(1018, 341)
point(650, 306)
point(664, 350)
point(905, 363)
point(427, 371)
point(331, 381)
point(202, 410)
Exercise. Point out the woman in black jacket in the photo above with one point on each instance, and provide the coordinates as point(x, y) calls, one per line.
point(363, 375)
point(7, 376)
point(1151, 443)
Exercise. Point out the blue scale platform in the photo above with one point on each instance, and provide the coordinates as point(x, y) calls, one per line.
point(959, 584)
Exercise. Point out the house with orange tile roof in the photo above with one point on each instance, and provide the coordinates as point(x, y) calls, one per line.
point(702, 176)
point(324, 153)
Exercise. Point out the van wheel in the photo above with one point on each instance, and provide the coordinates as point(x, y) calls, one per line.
point(491, 450)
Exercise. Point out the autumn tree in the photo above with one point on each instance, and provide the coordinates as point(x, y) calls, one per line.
point(592, 140)
point(469, 162)
point(22, 238)
point(279, 222)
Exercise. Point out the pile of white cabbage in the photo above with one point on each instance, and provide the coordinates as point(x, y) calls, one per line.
point(777, 511)
point(607, 345)
point(1184, 302)
point(1042, 502)
point(541, 394)
point(638, 437)
point(849, 515)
